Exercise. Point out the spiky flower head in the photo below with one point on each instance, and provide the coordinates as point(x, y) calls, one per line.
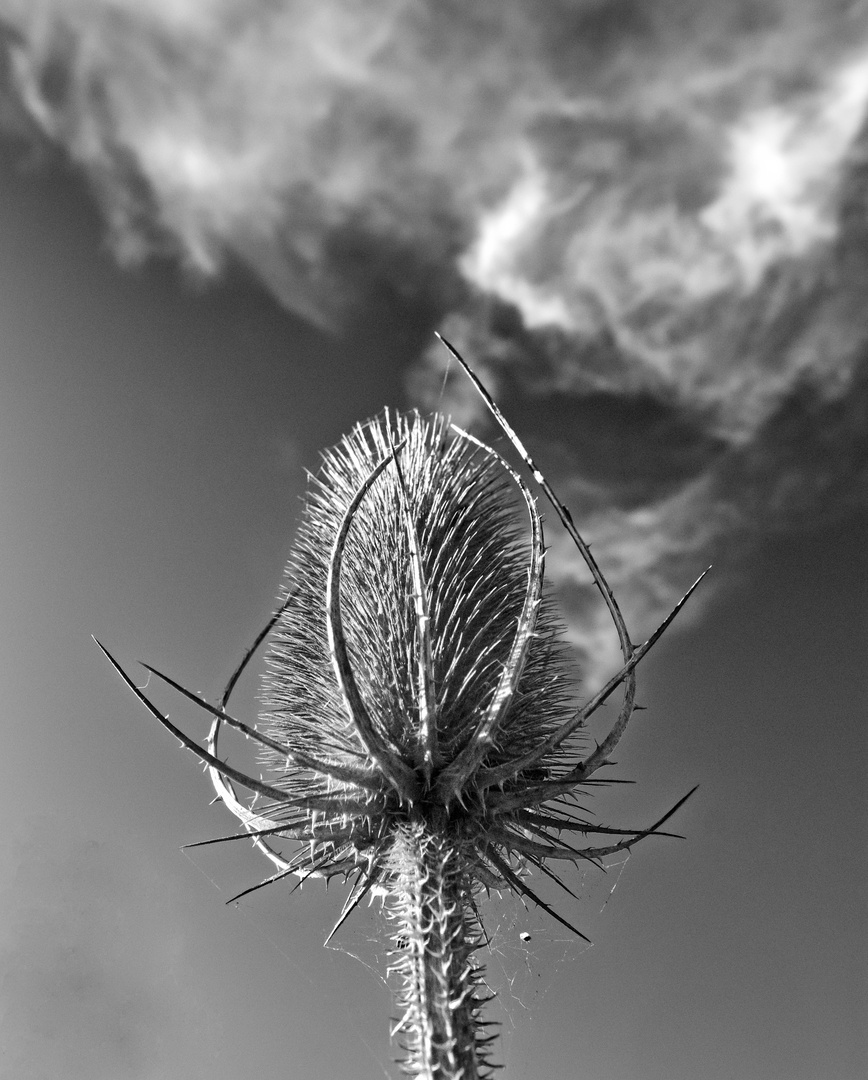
point(421, 737)
point(416, 654)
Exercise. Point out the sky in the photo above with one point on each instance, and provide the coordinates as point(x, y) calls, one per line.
point(226, 239)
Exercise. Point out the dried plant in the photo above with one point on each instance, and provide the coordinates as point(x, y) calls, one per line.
point(420, 738)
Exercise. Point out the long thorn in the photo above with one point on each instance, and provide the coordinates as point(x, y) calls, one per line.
point(221, 766)
point(600, 852)
point(390, 764)
point(517, 883)
point(346, 773)
point(454, 778)
point(560, 509)
point(359, 891)
point(425, 692)
point(598, 757)
point(260, 637)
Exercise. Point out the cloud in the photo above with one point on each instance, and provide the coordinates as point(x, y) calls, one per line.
point(644, 222)
point(784, 163)
point(90, 967)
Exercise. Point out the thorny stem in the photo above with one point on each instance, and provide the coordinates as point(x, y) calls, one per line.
point(435, 935)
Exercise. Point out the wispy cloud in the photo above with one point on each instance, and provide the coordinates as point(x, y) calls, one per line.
point(644, 220)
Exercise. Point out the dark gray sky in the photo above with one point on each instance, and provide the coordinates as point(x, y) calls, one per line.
point(696, 403)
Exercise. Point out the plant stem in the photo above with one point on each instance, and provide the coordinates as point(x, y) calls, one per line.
point(435, 935)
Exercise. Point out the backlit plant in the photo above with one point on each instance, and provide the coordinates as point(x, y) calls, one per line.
point(421, 739)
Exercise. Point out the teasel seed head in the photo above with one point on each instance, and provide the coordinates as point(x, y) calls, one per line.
point(421, 737)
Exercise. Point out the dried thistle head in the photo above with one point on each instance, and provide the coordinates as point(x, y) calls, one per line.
point(421, 735)
point(415, 654)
